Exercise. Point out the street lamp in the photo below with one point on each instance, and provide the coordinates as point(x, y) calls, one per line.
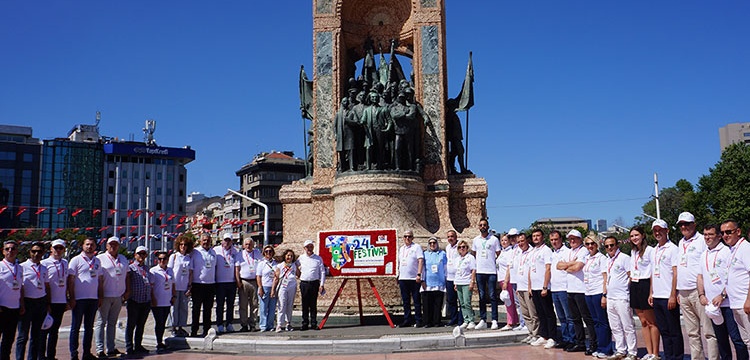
point(265, 213)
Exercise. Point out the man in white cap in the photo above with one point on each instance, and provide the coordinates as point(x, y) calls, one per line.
point(35, 290)
point(226, 285)
point(247, 285)
point(663, 295)
point(690, 247)
point(486, 247)
point(84, 293)
point(138, 284)
point(579, 312)
point(712, 280)
point(57, 271)
point(510, 282)
point(114, 270)
point(312, 281)
point(738, 277)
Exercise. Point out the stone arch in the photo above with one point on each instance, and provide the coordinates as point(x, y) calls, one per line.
point(379, 20)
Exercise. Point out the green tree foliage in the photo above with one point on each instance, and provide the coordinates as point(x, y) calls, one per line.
point(725, 191)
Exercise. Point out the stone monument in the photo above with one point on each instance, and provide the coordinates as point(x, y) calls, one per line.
point(391, 183)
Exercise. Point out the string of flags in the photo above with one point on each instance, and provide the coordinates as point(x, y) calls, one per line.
point(134, 213)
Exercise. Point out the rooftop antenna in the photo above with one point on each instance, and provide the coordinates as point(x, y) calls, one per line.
point(148, 132)
point(98, 118)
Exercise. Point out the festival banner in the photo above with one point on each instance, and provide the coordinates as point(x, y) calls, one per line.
point(359, 253)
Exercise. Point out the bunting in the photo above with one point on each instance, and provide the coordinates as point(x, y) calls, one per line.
point(40, 210)
point(21, 210)
point(76, 212)
point(95, 212)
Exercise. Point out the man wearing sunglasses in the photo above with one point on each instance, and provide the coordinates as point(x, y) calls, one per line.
point(738, 277)
point(10, 296)
point(35, 289)
point(697, 324)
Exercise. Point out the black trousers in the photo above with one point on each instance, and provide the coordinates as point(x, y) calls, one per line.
point(203, 297)
point(668, 322)
point(161, 313)
point(32, 319)
point(580, 314)
point(49, 337)
point(8, 321)
point(545, 311)
point(432, 304)
point(309, 295)
point(137, 316)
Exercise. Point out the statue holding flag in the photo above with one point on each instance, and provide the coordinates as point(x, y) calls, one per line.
point(463, 102)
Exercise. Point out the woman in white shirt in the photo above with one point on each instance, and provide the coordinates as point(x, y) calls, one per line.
point(640, 286)
point(285, 285)
point(264, 276)
point(465, 282)
point(180, 263)
point(502, 261)
point(595, 279)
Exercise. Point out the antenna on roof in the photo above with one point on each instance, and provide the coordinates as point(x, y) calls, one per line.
point(148, 132)
point(98, 118)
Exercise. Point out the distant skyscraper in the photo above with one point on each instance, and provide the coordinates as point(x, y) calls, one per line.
point(734, 133)
point(601, 225)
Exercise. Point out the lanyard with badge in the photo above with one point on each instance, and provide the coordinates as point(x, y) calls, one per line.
point(484, 252)
point(167, 285)
point(92, 262)
point(712, 273)
point(734, 251)
point(683, 258)
point(405, 254)
point(587, 268)
point(523, 261)
point(224, 253)
point(115, 264)
point(250, 261)
point(184, 264)
point(206, 258)
point(16, 285)
point(657, 270)
point(609, 268)
point(38, 273)
point(60, 274)
point(635, 276)
point(142, 273)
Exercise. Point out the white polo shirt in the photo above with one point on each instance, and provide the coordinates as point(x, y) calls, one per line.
point(85, 272)
point(593, 268)
point(486, 249)
point(162, 282)
point(541, 257)
point(114, 272)
point(502, 262)
point(575, 279)
point(464, 266)
point(34, 280)
point(57, 273)
point(311, 268)
point(248, 263)
point(664, 258)
point(559, 278)
point(618, 277)
point(513, 264)
point(451, 252)
point(714, 267)
point(181, 266)
point(204, 266)
point(265, 270)
point(408, 260)
point(226, 261)
point(688, 268)
point(521, 265)
point(739, 274)
point(287, 274)
point(641, 266)
point(11, 276)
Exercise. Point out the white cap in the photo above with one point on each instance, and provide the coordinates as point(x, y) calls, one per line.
point(227, 235)
point(48, 320)
point(140, 248)
point(308, 242)
point(505, 296)
point(575, 233)
point(113, 239)
point(660, 223)
point(714, 313)
point(685, 217)
point(513, 232)
point(58, 242)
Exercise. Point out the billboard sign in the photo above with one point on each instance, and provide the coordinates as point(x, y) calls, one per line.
point(359, 253)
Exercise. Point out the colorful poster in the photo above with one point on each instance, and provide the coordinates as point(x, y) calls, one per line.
point(359, 253)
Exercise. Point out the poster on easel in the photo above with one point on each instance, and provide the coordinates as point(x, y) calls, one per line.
point(359, 253)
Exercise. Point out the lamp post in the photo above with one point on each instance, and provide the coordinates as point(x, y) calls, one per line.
point(265, 213)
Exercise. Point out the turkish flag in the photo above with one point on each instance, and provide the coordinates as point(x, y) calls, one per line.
point(112, 211)
point(21, 210)
point(95, 211)
point(60, 211)
point(39, 211)
point(171, 217)
point(76, 212)
point(3, 208)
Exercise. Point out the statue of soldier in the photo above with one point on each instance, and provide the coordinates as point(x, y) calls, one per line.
point(377, 124)
point(354, 116)
point(345, 137)
point(404, 116)
point(455, 137)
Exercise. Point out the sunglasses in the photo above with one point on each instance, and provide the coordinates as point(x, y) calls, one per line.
point(432, 243)
point(408, 236)
point(161, 259)
point(610, 245)
point(59, 248)
point(35, 251)
point(463, 247)
point(182, 244)
point(267, 251)
point(684, 223)
point(10, 249)
point(728, 232)
point(590, 243)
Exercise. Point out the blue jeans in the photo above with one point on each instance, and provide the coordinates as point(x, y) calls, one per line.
point(266, 309)
point(726, 331)
point(36, 311)
point(225, 293)
point(487, 284)
point(451, 305)
point(410, 291)
point(668, 322)
point(83, 313)
point(567, 333)
point(601, 324)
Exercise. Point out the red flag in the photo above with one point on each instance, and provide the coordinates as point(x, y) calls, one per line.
point(44, 232)
point(130, 213)
point(3, 208)
point(61, 229)
point(28, 232)
point(21, 210)
point(179, 226)
point(171, 217)
point(95, 211)
point(39, 211)
point(182, 219)
point(137, 213)
point(89, 228)
point(76, 212)
point(12, 231)
point(252, 221)
point(119, 228)
point(103, 228)
point(75, 230)
point(163, 226)
point(150, 214)
point(161, 216)
point(112, 211)
point(132, 228)
point(60, 211)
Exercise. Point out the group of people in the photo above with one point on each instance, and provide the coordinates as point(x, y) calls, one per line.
point(704, 277)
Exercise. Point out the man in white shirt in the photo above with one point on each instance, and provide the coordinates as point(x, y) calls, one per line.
point(411, 260)
point(540, 273)
point(559, 289)
point(312, 282)
point(57, 271)
point(84, 296)
point(712, 280)
point(114, 270)
point(10, 296)
point(579, 312)
point(738, 277)
point(35, 289)
point(455, 318)
point(226, 284)
point(204, 285)
point(690, 247)
point(486, 248)
point(247, 285)
point(664, 292)
point(520, 266)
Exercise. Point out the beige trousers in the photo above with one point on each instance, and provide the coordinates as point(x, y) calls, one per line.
point(529, 312)
point(697, 324)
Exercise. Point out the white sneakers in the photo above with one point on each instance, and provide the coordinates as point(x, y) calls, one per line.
point(529, 339)
point(471, 326)
point(464, 325)
point(599, 355)
point(520, 328)
point(506, 328)
point(551, 343)
point(494, 325)
point(481, 325)
point(539, 341)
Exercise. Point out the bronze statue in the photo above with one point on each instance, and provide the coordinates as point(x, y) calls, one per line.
point(345, 137)
point(377, 124)
point(406, 129)
point(454, 136)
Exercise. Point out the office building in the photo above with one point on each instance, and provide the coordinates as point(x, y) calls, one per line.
point(20, 159)
point(734, 133)
point(564, 224)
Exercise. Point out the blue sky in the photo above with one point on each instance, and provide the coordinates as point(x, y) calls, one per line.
point(578, 103)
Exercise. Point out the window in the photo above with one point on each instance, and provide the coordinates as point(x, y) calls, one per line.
point(110, 205)
point(170, 176)
point(124, 190)
point(136, 174)
point(111, 190)
point(7, 155)
point(28, 157)
point(158, 191)
point(182, 177)
point(158, 176)
point(182, 192)
point(148, 175)
point(123, 204)
point(158, 206)
point(169, 191)
point(181, 208)
point(135, 190)
point(124, 174)
point(111, 174)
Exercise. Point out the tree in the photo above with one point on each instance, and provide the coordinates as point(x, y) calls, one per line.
point(672, 201)
point(725, 191)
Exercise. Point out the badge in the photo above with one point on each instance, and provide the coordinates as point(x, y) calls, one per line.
point(184, 270)
point(118, 272)
point(61, 282)
point(683, 260)
point(38, 284)
point(483, 254)
point(715, 279)
point(92, 273)
point(656, 271)
point(15, 285)
point(636, 274)
point(434, 269)
point(208, 264)
point(167, 286)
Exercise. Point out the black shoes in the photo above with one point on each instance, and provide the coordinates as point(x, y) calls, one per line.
point(576, 348)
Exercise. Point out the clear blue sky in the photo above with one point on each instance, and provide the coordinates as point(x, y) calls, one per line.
point(578, 103)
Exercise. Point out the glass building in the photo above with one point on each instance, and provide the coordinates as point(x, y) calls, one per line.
point(20, 156)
